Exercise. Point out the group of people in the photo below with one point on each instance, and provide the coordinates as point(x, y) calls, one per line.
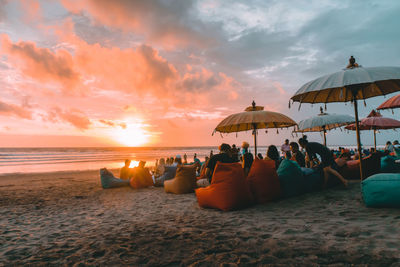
point(306, 154)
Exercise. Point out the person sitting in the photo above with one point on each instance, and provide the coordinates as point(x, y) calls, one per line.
point(327, 164)
point(285, 147)
point(297, 156)
point(223, 156)
point(389, 147)
point(235, 153)
point(247, 158)
point(160, 168)
point(273, 154)
point(177, 161)
point(126, 172)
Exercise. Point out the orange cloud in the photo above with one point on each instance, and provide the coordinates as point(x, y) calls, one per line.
point(113, 124)
point(42, 64)
point(14, 110)
point(72, 116)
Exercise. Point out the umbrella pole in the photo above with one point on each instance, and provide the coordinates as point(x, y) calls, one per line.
point(255, 140)
point(358, 138)
point(375, 139)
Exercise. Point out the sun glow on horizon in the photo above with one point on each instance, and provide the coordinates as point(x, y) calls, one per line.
point(132, 135)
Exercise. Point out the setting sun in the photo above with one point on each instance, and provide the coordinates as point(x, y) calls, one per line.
point(132, 135)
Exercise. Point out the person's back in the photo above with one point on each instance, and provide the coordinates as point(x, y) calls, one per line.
point(317, 148)
point(126, 172)
point(223, 157)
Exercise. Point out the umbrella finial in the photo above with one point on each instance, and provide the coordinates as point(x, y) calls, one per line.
point(352, 63)
point(253, 104)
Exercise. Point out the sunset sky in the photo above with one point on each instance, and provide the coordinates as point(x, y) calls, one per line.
point(165, 73)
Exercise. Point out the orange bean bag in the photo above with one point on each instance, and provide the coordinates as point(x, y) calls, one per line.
point(184, 182)
point(141, 178)
point(228, 189)
point(263, 181)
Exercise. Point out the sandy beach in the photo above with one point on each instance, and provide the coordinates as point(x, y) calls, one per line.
point(66, 218)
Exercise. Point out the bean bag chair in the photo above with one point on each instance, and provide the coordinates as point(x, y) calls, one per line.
point(228, 189)
point(109, 181)
point(184, 181)
point(313, 179)
point(382, 190)
point(263, 181)
point(141, 178)
point(389, 165)
point(290, 178)
point(168, 174)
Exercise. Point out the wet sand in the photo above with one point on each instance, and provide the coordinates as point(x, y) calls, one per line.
point(66, 218)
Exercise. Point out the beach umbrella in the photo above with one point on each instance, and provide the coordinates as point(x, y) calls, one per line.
point(375, 122)
point(253, 118)
point(393, 102)
point(324, 122)
point(350, 84)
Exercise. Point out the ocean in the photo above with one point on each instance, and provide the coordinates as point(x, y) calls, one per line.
point(34, 160)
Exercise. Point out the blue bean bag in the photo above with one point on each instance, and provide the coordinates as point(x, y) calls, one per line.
point(313, 179)
point(382, 190)
point(389, 165)
point(291, 178)
point(109, 181)
point(169, 173)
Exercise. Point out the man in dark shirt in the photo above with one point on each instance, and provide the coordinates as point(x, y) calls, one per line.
point(327, 164)
point(223, 156)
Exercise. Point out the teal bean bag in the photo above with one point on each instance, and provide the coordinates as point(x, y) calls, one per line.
point(389, 165)
point(109, 181)
point(313, 179)
point(291, 178)
point(382, 190)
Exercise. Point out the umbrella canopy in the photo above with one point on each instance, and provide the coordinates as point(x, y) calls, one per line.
point(393, 102)
point(324, 122)
point(351, 84)
point(253, 118)
point(374, 122)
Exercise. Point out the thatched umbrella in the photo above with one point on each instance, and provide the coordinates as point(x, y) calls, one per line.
point(253, 118)
point(324, 122)
point(351, 84)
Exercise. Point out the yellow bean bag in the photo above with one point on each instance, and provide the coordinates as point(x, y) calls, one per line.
point(184, 181)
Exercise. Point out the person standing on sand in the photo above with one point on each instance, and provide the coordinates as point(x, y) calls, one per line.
point(126, 172)
point(328, 164)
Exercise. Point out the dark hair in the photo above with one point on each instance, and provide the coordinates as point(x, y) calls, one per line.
point(273, 153)
point(127, 161)
point(294, 145)
point(388, 142)
point(224, 147)
point(303, 140)
point(259, 155)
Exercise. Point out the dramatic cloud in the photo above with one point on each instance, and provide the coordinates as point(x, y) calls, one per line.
point(73, 116)
point(113, 124)
point(14, 110)
point(42, 63)
point(170, 23)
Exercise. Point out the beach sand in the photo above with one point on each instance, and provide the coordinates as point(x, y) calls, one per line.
point(67, 218)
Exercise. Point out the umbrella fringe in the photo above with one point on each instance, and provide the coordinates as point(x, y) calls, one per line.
point(289, 103)
point(299, 106)
point(325, 107)
point(365, 103)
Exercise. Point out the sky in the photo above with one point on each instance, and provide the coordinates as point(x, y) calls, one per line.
point(166, 72)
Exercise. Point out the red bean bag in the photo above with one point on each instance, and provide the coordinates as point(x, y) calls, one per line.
point(141, 178)
point(263, 181)
point(228, 189)
point(184, 181)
